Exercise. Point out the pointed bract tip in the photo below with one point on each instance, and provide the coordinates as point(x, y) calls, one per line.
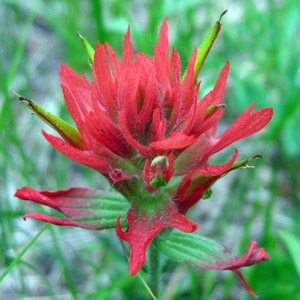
point(164, 23)
point(64, 67)
point(119, 230)
point(258, 156)
point(127, 32)
point(14, 92)
point(17, 193)
point(212, 108)
point(134, 271)
point(244, 283)
point(78, 34)
point(222, 14)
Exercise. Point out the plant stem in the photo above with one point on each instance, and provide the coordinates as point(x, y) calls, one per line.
point(154, 269)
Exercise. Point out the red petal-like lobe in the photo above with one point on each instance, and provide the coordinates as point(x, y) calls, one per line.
point(156, 120)
point(102, 78)
point(191, 117)
point(86, 208)
point(181, 190)
point(246, 125)
point(127, 56)
point(101, 127)
point(170, 170)
point(87, 158)
point(100, 151)
point(194, 156)
point(130, 139)
point(210, 123)
point(77, 93)
point(191, 191)
point(161, 58)
point(210, 170)
point(188, 81)
point(142, 229)
point(174, 103)
point(196, 120)
point(193, 186)
point(163, 42)
point(250, 258)
point(214, 97)
point(176, 140)
point(146, 172)
point(161, 130)
point(244, 283)
point(127, 95)
point(114, 61)
point(56, 221)
point(151, 97)
point(101, 64)
point(217, 95)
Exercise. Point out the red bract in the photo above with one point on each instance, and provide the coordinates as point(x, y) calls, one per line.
point(142, 228)
point(141, 125)
point(250, 258)
point(85, 208)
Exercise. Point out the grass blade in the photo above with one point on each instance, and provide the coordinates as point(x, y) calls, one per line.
point(17, 259)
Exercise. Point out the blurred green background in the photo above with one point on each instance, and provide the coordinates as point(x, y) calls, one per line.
point(261, 39)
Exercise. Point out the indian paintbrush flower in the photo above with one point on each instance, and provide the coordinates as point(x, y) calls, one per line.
point(143, 127)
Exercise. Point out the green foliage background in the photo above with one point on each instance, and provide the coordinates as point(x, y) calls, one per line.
point(259, 38)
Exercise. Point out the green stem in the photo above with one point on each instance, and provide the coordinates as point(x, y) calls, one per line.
point(154, 269)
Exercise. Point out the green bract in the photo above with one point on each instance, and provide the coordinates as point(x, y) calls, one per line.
point(67, 132)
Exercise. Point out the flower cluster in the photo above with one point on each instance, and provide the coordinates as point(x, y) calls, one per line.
point(141, 125)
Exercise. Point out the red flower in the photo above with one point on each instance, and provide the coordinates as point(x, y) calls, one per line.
point(141, 125)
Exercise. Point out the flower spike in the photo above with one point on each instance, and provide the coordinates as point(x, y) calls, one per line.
point(145, 130)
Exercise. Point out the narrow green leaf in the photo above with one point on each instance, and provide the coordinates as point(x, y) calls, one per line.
point(293, 246)
point(70, 134)
point(243, 163)
point(210, 109)
point(89, 49)
point(205, 47)
point(17, 259)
